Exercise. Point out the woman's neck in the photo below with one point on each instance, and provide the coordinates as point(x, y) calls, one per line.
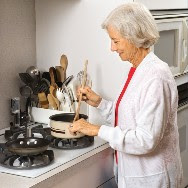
point(138, 56)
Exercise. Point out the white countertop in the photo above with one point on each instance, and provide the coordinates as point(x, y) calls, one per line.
point(63, 159)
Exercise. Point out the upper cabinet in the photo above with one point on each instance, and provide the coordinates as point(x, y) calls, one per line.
point(167, 4)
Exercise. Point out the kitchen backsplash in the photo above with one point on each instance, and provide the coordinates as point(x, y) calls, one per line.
point(17, 49)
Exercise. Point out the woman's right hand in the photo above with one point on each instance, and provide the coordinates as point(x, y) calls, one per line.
point(89, 96)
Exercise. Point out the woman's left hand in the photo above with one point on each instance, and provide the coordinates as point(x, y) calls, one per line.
point(84, 127)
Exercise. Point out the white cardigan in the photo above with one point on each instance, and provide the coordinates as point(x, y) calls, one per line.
point(146, 136)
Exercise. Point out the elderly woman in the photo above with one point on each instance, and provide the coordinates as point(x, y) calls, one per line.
point(144, 134)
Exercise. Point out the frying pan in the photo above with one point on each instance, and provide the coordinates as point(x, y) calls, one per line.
point(28, 146)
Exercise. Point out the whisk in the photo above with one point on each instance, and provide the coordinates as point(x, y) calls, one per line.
point(83, 85)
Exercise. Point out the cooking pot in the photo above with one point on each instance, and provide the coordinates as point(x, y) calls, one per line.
point(60, 124)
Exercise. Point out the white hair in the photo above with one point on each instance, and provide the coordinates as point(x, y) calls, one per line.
point(134, 22)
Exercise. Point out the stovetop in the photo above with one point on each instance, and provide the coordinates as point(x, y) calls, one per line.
point(12, 160)
point(61, 156)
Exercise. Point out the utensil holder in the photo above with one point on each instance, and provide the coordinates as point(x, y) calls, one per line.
point(42, 115)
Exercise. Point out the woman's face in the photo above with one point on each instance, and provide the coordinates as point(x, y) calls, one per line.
point(121, 45)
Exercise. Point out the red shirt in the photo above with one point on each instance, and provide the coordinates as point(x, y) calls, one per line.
point(130, 75)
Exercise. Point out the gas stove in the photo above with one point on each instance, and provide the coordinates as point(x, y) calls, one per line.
point(61, 157)
point(39, 130)
point(10, 160)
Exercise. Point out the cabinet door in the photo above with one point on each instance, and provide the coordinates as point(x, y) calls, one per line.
point(167, 4)
point(168, 48)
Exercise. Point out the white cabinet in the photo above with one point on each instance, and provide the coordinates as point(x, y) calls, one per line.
point(167, 4)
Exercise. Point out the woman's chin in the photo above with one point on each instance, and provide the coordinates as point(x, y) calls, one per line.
point(122, 58)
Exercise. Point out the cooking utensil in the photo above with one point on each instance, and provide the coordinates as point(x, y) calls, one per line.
point(80, 97)
point(53, 77)
point(72, 91)
point(26, 78)
point(67, 80)
point(60, 124)
point(43, 101)
point(64, 64)
point(52, 103)
point(33, 72)
point(61, 98)
point(53, 94)
point(60, 73)
point(26, 91)
point(28, 146)
point(65, 101)
point(53, 86)
point(42, 86)
point(46, 75)
point(80, 76)
point(60, 95)
point(68, 101)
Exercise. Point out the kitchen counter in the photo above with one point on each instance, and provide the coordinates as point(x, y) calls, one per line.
point(71, 169)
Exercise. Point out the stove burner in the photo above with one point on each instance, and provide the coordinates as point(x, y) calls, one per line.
point(73, 143)
point(38, 130)
point(10, 160)
point(17, 132)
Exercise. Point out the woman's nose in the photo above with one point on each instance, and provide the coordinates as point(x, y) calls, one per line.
point(113, 46)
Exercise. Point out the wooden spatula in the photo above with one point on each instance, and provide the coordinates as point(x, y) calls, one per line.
point(53, 77)
point(53, 94)
point(60, 73)
point(43, 100)
point(80, 98)
point(64, 64)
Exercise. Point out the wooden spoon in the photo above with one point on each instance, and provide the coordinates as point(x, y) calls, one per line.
point(51, 101)
point(64, 64)
point(60, 73)
point(52, 71)
point(43, 100)
point(53, 94)
point(80, 98)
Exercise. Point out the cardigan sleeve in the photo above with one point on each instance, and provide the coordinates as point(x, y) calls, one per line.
point(157, 99)
point(106, 109)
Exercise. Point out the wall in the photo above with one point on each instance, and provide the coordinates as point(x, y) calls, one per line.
point(167, 4)
point(74, 28)
point(17, 49)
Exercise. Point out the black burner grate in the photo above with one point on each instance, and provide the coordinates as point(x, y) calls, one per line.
point(16, 132)
point(73, 143)
point(10, 160)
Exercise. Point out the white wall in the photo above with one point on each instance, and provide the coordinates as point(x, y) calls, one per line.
point(164, 4)
point(73, 28)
